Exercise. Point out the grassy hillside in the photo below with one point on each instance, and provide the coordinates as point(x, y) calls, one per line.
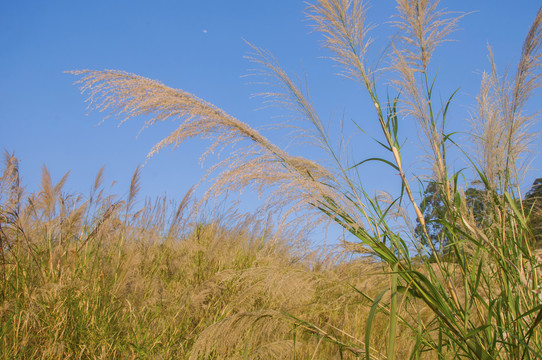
point(99, 277)
point(96, 277)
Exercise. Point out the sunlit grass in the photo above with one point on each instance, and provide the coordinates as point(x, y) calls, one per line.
point(103, 279)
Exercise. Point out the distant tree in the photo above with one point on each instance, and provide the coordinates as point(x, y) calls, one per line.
point(533, 207)
point(432, 207)
point(434, 211)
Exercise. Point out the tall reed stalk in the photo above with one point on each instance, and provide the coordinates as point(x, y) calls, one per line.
point(478, 299)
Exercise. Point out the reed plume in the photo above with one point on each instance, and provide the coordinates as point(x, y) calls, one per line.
point(296, 183)
point(502, 123)
point(344, 26)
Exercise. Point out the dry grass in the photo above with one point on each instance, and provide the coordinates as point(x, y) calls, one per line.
point(502, 124)
point(89, 277)
point(101, 279)
point(480, 298)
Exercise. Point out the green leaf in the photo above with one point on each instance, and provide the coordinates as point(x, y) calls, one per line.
point(513, 204)
point(369, 325)
point(376, 159)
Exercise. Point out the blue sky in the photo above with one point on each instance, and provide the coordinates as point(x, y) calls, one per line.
point(199, 46)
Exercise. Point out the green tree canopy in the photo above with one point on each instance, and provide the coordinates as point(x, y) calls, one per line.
point(433, 208)
point(434, 211)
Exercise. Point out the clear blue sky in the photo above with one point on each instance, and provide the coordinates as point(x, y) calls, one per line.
point(197, 46)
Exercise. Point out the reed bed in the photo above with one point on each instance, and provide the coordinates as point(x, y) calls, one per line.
point(97, 278)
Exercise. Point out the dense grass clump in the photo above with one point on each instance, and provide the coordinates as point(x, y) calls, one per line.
point(100, 279)
point(97, 277)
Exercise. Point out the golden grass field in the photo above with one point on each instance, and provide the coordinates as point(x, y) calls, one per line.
point(95, 276)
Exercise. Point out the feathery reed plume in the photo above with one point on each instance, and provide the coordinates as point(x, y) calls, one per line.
point(339, 185)
point(343, 24)
point(294, 181)
point(488, 139)
point(98, 181)
point(135, 186)
point(10, 207)
point(289, 96)
point(174, 228)
point(130, 95)
point(422, 29)
point(501, 106)
point(50, 194)
point(528, 74)
point(10, 179)
point(245, 331)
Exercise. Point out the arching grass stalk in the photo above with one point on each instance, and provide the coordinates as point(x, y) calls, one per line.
point(476, 288)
